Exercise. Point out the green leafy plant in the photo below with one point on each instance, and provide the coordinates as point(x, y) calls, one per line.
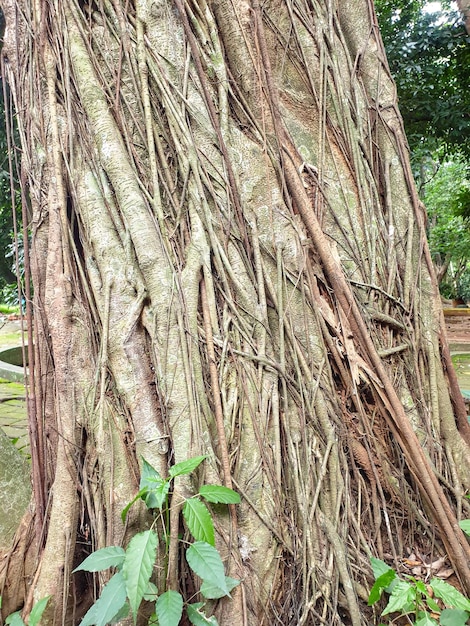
point(130, 584)
point(15, 619)
point(433, 604)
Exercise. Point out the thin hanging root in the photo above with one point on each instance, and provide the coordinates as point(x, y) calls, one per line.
point(451, 534)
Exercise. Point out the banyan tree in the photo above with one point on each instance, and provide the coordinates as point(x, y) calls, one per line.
point(227, 257)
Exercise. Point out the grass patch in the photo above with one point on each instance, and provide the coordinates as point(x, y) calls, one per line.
point(6, 309)
point(462, 369)
point(8, 340)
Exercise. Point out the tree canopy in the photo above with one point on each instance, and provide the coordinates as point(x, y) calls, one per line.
point(429, 57)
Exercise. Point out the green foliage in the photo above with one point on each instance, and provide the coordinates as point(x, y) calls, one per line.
point(109, 604)
point(217, 493)
point(138, 566)
point(169, 608)
point(411, 597)
point(102, 559)
point(38, 609)
point(429, 57)
point(199, 521)
point(449, 232)
point(132, 582)
point(197, 617)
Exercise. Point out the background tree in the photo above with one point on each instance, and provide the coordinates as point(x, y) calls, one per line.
point(229, 258)
point(429, 56)
point(446, 195)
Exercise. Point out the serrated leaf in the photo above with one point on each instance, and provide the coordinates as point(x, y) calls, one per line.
point(186, 467)
point(151, 592)
point(402, 598)
point(169, 608)
point(121, 614)
point(14, 619)
point(382, 582)
point(453, 617)
point(109, 604)
point(465, 526)
point(197, 617)
point(451, 597)
point(138, 566)
point(102, 559)
point(379, 567)
point(219, 494)
point(205, 561)
point(37, 611)
point(199, 521)
point(214, 592)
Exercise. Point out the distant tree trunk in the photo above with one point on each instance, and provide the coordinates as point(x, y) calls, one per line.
point(464, 8)
point(229, 258)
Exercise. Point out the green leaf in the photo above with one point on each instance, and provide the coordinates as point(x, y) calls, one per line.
point(199, 521)
point(449, 595)
point(15, 619)
point(125, 510)
point(121, 614)
point(214, 592)
point(37, 611)
point(432, 604)
point(109, 604)
point(425, 620)
point(186, 467)
point(382, 582)
point(453, 617)
point(149, 476)
point(156, 487)
point(205, 561)
point(138, 566)
point(219, 494)
point(169, 608)
point(151, 592)
point(420, 586)
point(465, 526)
point(198, 618)
point(102, 559)
point(156, 498)
point(379, 567)
point(402, 598)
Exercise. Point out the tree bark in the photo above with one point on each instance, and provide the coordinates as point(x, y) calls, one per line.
point(229, 258)
point(464, 8)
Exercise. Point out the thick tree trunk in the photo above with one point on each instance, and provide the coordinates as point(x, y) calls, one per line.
point(229, 259)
